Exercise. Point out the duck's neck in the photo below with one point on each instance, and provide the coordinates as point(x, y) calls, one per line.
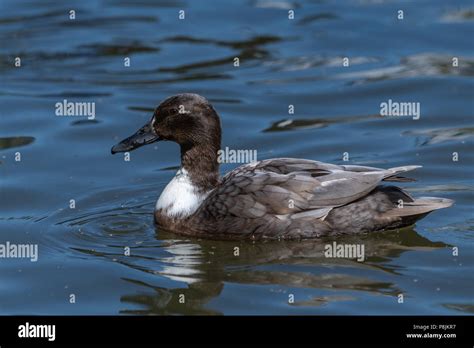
point(201, 165)
point(198, 176)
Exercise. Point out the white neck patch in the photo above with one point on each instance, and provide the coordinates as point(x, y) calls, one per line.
point(180, 197)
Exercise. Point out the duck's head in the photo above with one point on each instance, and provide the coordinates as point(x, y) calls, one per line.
point(187, 119)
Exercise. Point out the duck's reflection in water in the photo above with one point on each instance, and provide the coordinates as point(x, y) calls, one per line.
point(204, 267)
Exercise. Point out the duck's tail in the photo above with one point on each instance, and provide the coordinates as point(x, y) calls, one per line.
point(420, 205)
point(410, 212)
point(414, 206)
point(407, 209)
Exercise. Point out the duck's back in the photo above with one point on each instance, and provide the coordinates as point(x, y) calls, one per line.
point(297, 198)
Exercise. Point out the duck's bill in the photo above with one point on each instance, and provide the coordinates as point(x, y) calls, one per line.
point(145, 135)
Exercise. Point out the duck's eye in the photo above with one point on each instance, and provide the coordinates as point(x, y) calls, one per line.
point(171, 112)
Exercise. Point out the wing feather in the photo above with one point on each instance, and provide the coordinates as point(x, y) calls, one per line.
point(291, 186)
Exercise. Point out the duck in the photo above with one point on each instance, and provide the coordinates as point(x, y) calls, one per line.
point(278, 198)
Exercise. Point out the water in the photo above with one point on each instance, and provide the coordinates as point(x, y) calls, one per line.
point(282, 62)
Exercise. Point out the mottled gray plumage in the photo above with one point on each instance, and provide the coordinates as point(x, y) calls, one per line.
point(298, 198)
point(282, 198)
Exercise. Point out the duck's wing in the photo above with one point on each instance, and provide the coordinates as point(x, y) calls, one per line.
point(288, 165)
point(302, 188)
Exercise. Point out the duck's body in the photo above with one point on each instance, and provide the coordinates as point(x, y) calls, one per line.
point(272, 199)
point(291, 198)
